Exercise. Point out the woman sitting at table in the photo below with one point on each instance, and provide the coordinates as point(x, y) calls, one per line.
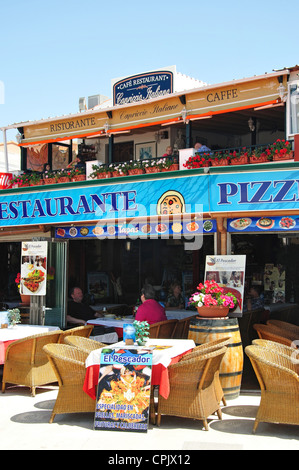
point(175, 298)
point(150, 310)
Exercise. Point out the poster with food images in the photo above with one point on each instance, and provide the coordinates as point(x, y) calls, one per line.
point(229, 272)
point(124, 387)
point(34, 268)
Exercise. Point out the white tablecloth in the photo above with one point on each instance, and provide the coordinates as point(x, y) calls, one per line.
point(22, 331)
point(110, 322)
point(160, 356)
point(179, 314)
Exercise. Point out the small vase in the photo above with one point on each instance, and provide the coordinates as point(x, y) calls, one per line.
point(25, 299)
point(214, 311)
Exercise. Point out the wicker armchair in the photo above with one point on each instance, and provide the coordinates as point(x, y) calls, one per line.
point(162, 329)
point(206, 348)
point(86, 345)
point(182, 328)
point(27, 364)
point(273, 333)
point(288, 327)
point(68, 363)
point(84, 331)
point(192, 388)
point(280, 348)
point(279, 386)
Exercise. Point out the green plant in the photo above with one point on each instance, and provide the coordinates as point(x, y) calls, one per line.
point(50, 174)
point(135, 164)
point(141, 331)
point(209, 294)
point(77, 171)
point(14, 316)
point(280, 148)
point(21, 180)
point(35, 177)
point(64, 172)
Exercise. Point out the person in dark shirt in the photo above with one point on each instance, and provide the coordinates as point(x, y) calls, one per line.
point(78, 312)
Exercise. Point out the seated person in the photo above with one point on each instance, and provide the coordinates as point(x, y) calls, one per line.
point(150, 310)
point(200, 148)
point(168, 152)
point(79, 313)
point(255, 299)
point(175, 298)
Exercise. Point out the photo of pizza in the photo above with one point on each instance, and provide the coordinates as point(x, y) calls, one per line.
point(265, 223)
point(171, 202)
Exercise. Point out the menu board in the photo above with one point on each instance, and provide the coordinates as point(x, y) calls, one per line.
point(229, 272)
point(124, 387)
point(34, 268)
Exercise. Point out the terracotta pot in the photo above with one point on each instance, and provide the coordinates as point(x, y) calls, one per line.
point(254, 159)
point(38, 183)
point(106, 174)
point(50, 181)
point(63, 179)
point(215, 311)
point(243, 160)
point(79, 178)
point(286, 156)
point(25, 299)
point(173, 167)
point(136, 171)
point(221, 162)
point(152, 169)
point(116, 174)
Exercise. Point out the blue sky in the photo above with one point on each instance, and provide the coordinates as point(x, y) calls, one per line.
point(53, 52)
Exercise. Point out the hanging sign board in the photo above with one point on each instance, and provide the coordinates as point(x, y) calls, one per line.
point(229, 272)
point(34, 268)
point(123, 396)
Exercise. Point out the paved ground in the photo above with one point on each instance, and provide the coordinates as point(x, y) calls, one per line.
point(24, 424)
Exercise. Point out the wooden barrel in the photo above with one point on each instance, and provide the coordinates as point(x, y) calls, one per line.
point(203, 330)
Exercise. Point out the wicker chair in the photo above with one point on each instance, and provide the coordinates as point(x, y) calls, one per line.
point(288, 327)
point(279, 386)
point(182, 328)
point(84, 331)
point(192, 388)
point(27, 364)
point(206, 348)
point(68, 363)
point(280, 348)
point(162, 329)
point(273, 333)
point(86, 345)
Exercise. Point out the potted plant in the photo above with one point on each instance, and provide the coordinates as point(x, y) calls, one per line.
point(119, 169)
point(64, 175)
point(259, 155)
point(78, 174)
point(238, 157)
point(199, 160)
point(21, 180)
point(36, 179)
point(141, 332)
point(14, 316)
point(50, 177)
point(281, 150)
point(210, 300)
point(135, 167)
point(100, 171)
point(151, 166)
point(219, 159)
point(169, 164)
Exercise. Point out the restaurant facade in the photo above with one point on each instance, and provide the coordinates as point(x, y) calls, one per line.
point(111, 235)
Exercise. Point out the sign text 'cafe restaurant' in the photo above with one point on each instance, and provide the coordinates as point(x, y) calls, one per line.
point(241, 196)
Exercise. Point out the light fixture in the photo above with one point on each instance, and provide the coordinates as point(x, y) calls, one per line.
point(106, 127)
point(251, 124)
point(19, 138)
point(282, 92)
point(184, 114)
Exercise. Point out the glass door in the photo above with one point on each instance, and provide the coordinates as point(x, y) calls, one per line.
point(56, 297)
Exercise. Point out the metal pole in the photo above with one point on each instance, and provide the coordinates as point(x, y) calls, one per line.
point(5, 150)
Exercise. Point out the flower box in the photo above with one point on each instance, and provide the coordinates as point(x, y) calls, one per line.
point(104, 174)
point(135, 171)
point(260, 159)
point(285, 156)
point(220, 162)
point(49, 180)
point(152, 169)
point(243, 160)
point(63, 179)
point(78, 178)
point(173, 167)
